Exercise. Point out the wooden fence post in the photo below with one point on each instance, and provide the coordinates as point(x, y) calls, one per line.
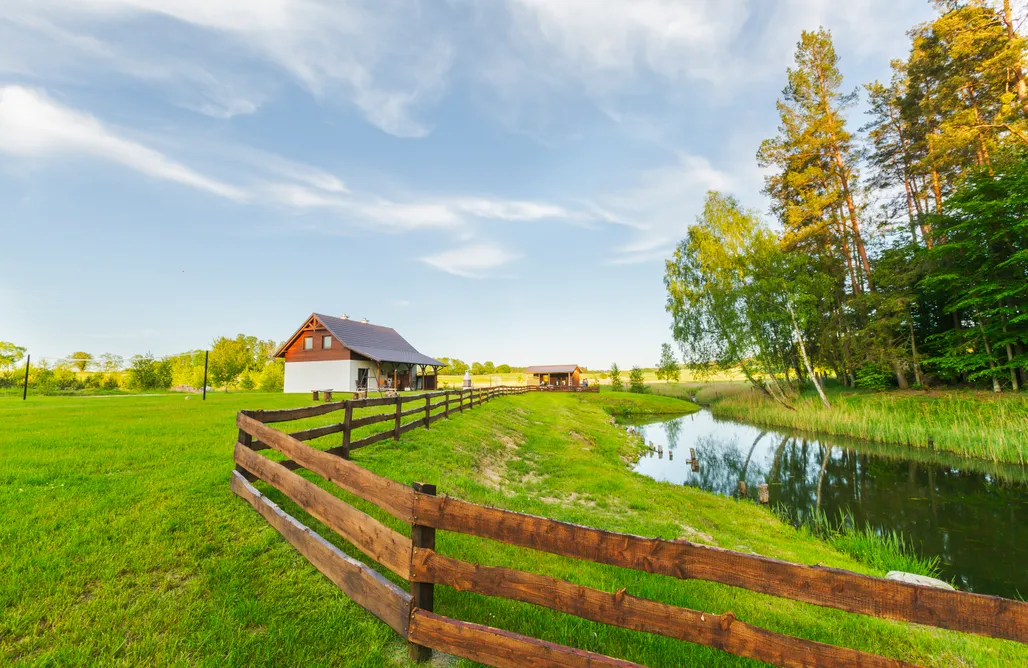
point(446, 411)
point(347, 419)
point(428, 410)
point(460, 401)
point(396, 427)
point(423, 593)
point(247, 440)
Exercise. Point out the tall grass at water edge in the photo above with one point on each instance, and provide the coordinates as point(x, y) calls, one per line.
point(974, 424)
point(882, 549)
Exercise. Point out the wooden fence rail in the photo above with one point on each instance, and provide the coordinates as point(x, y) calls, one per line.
point(415, 559)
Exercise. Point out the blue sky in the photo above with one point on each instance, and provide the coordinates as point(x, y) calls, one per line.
point(495, 179)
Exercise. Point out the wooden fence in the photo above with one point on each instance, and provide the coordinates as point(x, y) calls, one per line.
point(415, 559)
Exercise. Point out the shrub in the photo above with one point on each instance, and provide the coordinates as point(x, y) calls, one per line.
point(635, 381)
point(147, 373)
point(874, 377)
point(615, 378)
point(272, 377)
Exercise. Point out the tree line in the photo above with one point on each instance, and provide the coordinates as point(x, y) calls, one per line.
point(244, 362)
point(902, 253)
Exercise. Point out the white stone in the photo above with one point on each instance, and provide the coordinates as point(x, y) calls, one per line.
point(913, 578)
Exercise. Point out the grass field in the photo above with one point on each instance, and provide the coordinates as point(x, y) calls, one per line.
point(122, 544)
point(978, 424)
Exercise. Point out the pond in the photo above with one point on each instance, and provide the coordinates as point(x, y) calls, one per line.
point(971, 514)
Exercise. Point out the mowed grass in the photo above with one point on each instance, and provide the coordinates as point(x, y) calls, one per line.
point(982, 425)
point(122, 544)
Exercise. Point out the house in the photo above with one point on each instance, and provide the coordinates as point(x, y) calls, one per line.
point(557, 375)
point(328, 353)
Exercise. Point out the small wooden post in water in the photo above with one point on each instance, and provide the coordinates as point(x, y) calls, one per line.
point(423, 593)
point(347, 420)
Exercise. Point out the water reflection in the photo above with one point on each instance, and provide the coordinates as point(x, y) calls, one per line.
point(970, 514)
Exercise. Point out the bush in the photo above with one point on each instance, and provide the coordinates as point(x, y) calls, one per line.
point(874, 377)
point(615, 379)
point(272, 377)
point(246, 381)
point(147, 373)
point(635, 381)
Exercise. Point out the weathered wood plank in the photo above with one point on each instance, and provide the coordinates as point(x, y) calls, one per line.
point(410, 426)
point(370, 440)
point(639, 614)
point(289, 414)
point(391, 496)
point(829, 587)
point(366, 587)
point(384, 545)
point(412, 411)
point(370, 419)
point(502, 649)
point(438, 416)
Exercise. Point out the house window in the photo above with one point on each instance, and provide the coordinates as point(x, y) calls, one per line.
point(362, 379)
point(326, 342)
point(308, 343)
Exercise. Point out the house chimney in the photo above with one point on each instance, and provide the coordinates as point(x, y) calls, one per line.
point(344, 317)
point(364, 320)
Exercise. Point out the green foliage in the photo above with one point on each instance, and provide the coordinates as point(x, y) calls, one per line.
point(453, 366)
point(148, 373)
point(272, 377)
point(615, 378)
point(10, 354)
point(477, 369)
point(667, 368)
point(503, 368)
point(231, 357)
point(82, 361)
point(636, 383)
point(872, 377)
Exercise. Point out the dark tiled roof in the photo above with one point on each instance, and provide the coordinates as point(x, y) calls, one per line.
point(553, 368)
point(381, 344)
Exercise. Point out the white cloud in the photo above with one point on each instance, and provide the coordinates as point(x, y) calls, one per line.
point(382, 57)
point(471, 261)
point(33, 125)
point(661, 206)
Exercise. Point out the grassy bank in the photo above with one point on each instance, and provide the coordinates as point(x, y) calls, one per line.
point(983, 425)
point(122, 544)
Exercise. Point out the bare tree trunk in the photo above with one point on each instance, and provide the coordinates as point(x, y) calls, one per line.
point(806, 360)
point(1022, 88)
point(901, 377)
point(992, 363)
point(918, 378)
point(1010, 356)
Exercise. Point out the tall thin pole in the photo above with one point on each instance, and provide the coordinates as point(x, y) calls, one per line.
point(206, 356)
point(25, 388)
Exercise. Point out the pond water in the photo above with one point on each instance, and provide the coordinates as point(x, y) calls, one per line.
point(973, 515)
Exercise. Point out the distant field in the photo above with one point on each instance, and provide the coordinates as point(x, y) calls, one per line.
point(649, 377)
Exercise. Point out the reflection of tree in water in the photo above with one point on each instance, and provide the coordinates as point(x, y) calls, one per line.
point(723, 465)
point(673, 431)
point(973, 515)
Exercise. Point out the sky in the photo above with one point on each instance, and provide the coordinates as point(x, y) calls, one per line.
point(496, 179)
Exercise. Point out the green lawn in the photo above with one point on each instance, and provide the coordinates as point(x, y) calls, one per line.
point(978, 424)
point(122, 544)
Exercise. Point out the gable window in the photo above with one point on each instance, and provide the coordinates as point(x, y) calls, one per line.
point(326, 342)
point(308, 343)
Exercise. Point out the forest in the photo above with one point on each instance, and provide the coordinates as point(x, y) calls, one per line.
point(897, 255)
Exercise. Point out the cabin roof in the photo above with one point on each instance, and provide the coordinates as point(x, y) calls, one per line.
point(378, 343)
point(553, 368)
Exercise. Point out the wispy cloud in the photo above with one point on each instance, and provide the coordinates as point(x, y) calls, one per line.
point(381, 57)
point(33, 125)
point(471, 261)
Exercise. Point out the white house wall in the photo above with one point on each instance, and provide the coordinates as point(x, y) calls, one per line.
point(338, 375)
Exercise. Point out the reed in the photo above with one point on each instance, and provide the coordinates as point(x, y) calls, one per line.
point(974, 424)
